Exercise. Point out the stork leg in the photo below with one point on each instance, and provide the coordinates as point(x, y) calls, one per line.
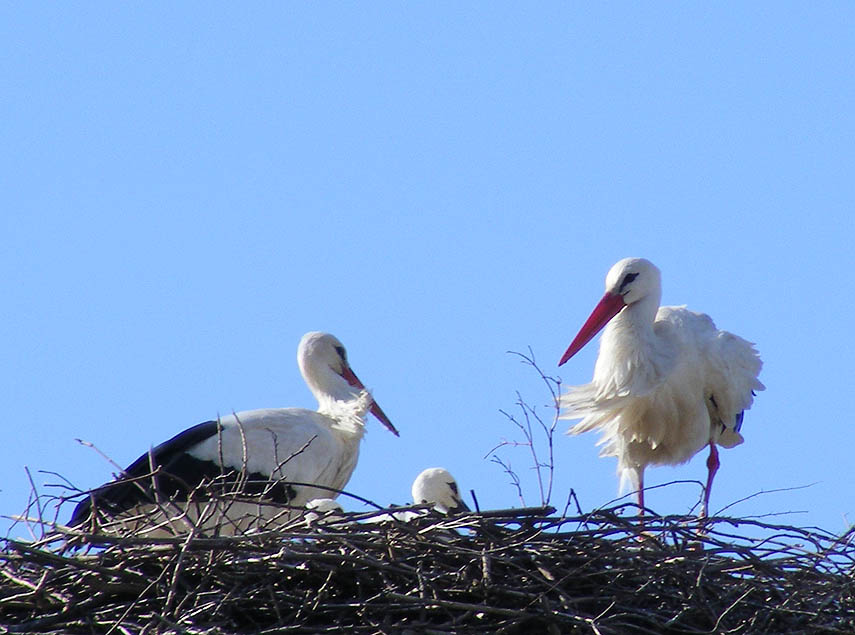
point(712, 467)
point(642, 535)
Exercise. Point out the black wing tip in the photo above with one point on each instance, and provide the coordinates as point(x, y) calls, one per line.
point(120, 495)
point(81, 512)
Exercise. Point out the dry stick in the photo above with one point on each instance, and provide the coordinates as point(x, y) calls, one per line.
point(475, 500)
point(515, 479)
point(170, 597)
point(761, 493)
point(281, 464)
point(528, 443)
point(152, 584)
point(480, 608)
point(34, 490)
point(91, 445)
point(553, 385)
point(244, 471)
point(526, 427)
point(529, 435)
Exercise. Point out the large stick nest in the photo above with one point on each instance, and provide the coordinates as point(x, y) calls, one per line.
point(515, 571)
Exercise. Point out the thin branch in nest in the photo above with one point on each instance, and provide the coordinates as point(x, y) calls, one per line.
point(515, 479)
point(66, 483)
point(530, 423)
point(571, 497)
point(34, 499)
point(761, 493)
point(89, 444)
point(553, 386)
point(475, 500)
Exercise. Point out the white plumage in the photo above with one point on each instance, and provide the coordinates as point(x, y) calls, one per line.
point(323, 510)
point(437, 486)
point(434, 486)
point(284, 456)
point(666, 383)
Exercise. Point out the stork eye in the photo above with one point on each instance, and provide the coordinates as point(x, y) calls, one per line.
point(627, 279)
point(453, 487)
point(341, 353)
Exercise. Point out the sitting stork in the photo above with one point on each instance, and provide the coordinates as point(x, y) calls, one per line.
point(267, 461)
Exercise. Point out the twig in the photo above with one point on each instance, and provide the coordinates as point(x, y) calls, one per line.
point(531, 422)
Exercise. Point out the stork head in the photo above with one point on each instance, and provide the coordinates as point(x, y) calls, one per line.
point(437, 486)
point(634, 279)
point(629, 281)
point(323, 363)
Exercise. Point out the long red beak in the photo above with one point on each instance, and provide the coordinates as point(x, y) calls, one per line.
point(608, 307)
point(376, 410)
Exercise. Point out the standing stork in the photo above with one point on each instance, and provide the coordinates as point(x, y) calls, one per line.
point(666, 383)
point(279, 457)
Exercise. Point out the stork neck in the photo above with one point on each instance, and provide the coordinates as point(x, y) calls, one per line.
point(642, 313)
point(343, 405)
point(627, 345)
point(328, 387)
point(633, 326)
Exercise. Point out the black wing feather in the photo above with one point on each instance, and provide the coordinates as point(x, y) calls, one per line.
point(179, 474)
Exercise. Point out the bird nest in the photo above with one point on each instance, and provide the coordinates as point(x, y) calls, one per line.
point(512, 571)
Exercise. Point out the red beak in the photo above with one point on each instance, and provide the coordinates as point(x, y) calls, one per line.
point(376, 410)
point(608, 307)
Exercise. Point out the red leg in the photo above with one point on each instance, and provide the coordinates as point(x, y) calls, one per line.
point(641, 494)
point(712, 467)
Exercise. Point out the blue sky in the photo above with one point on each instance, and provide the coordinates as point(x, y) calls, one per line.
point(188, 188)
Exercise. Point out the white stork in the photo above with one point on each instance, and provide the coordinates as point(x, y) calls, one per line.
point(437, 486)
point(666, 383)
point(281, 457)
point(323, 510)
point(434, 486)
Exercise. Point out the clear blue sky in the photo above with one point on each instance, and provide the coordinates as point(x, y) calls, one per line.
point(188, 188)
